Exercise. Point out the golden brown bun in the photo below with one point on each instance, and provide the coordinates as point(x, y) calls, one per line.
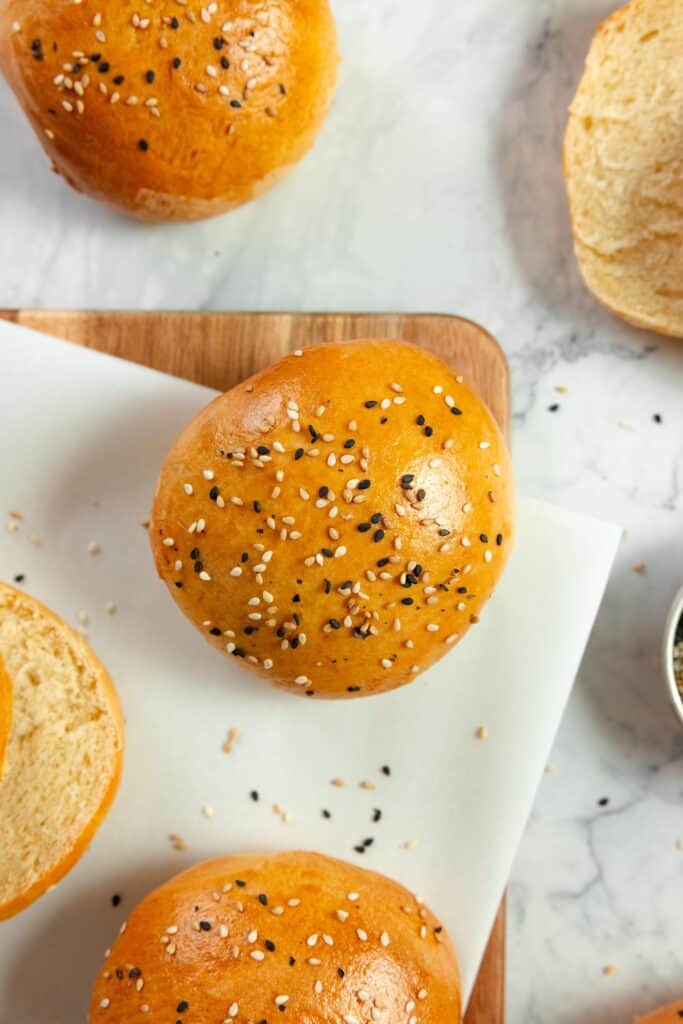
point(671, 1014)
point(361, 534)
point(623, 160)
point(327, 941)
point(65, 750)
point(126, 123)
point(5, 714)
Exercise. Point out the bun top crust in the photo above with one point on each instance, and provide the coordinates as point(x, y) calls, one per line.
point(174, 111)
point(671, 1014)
point(296, 936)
point(337, 521)
point(5, 713)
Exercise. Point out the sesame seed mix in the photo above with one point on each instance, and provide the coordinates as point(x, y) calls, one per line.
point(235, 919)
point(234, 65)
point(390, 573)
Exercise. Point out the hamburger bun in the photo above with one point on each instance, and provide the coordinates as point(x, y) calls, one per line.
point(671, 1014)
point(244, 938)
point(5, 714)
point(64, 752)
point(177, 114)
point(623, 158)
point(337, 522)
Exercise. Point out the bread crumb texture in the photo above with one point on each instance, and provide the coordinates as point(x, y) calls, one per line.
point(243, 939)
point(624, 163)
point(63, 753)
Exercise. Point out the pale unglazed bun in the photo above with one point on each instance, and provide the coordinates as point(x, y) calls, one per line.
point(623, 160)
point(64, 752)
point(336, 522)
point(292, 936)
point(671, 1014)
point(171, 112)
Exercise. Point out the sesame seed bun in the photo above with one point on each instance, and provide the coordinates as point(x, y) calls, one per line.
point(671, 1014)
point(176, 113)
point(64, 752)
point(337, 522)
point(244, 938)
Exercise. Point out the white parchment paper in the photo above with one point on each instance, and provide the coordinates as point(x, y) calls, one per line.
point(83, 437)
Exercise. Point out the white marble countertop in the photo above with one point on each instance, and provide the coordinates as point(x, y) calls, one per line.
point(436, 186)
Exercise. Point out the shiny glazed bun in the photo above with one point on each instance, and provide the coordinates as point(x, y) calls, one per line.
point(671, 1014)
point(336, 522)
point(296, 936)
point(171, 110)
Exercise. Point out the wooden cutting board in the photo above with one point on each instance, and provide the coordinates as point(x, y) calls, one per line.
point(219, 349)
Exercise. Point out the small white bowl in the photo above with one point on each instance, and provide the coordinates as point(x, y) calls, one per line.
point(672, 625)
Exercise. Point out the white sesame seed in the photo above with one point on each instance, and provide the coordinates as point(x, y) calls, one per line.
point(256, 954)
point(204, 576)
point(234, 1010)
point(104, 1003)
point(384, 939)
point(208, 474)
point(167, 542)
point(362, 935)
point(281, 1000)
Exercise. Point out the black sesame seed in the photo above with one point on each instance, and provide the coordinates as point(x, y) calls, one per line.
point(359, 849)
point(119, 973)
point(218, 43)
point(370, 404)
point(296, 598)
point(376, 815)
point(240, 882)
point(420, 420)
point(244, 557)
point(205, 926)
point(19, 578)
point(257, 506)
point(378, 535)
point(248, 630)
point(407, 480)
point(270, 945)
point(368, 842)
point(263, 899)
point(364, 485)
point(335, 623)
point(225, 63)
point(340, 972)
point(119, 80)
point(657, 417)
point(323, 492)
point(174, 23)
point(294, 643)
point(194, 553)
point(149, 75)
point(499, 539)
point(36, 44)
point(461, 590)
point(603, 802)
point(386, 770)
point(382, 562)
point(349, 443)
point(115, 900)
point(236, 104)
point(455, 411)
point(38, 55)
point(346, 585)
point(143, 144)
point(135, 972)
point(554, 407)
point(178, 584)
point(254, 795)
point(215, 631)
point(176, 62)
point(292, 961)
point(444, 533)
point(94, 57)
point(421, 494)
point(103, 67)
point(182, 1006)
point(326, 814)
point(364, 527)
point(282, 89)
point(239, 652)
point(376, 517)
point(328, 586)
point(483, 538)
point(429, 431)
point(198, 566)
point(298, 453)
point(406, 600)
point(213, 493)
